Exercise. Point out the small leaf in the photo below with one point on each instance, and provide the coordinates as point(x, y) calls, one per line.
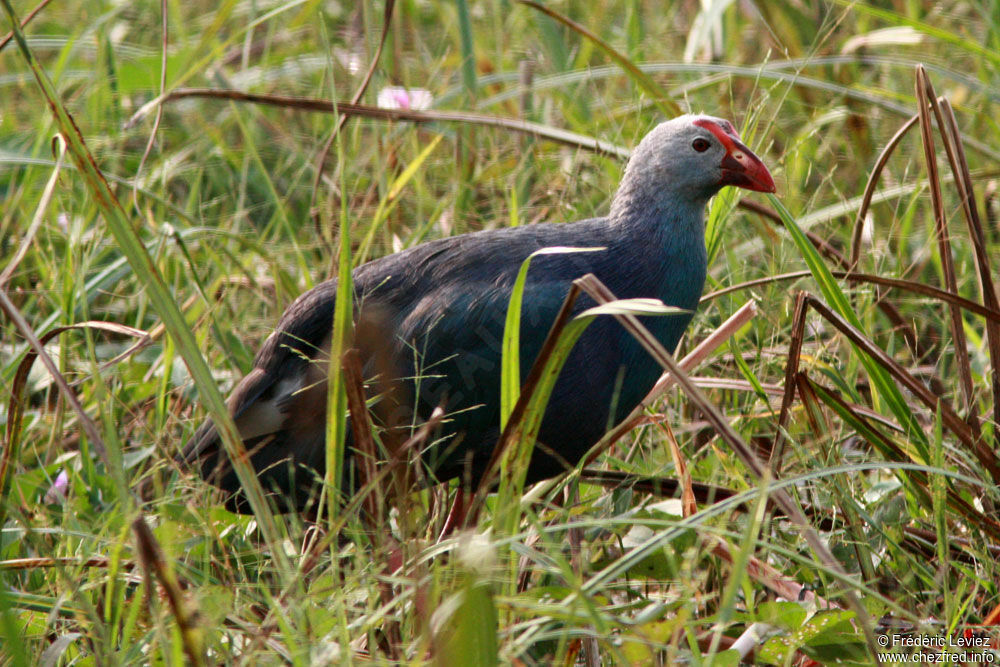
point(638, 306)
point(465, 628)
point(787, 615)
point(829, 633)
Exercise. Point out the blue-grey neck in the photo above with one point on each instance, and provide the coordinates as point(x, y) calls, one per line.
point(661, 223)
point(659, 252)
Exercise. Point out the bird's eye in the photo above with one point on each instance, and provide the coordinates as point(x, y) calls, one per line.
point(700, 144)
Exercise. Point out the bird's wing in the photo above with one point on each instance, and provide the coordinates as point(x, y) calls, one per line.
point(443, 306)
point(280, 407)
point(282, 386)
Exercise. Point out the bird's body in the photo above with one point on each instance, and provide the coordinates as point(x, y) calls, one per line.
point(441, 308)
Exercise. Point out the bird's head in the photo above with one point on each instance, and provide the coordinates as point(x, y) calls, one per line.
point(691, 158)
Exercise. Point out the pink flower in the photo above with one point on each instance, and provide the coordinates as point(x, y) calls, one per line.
point(396, 97)
point(57, 492)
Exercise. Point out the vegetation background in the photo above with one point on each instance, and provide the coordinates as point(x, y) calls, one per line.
point(239, 208)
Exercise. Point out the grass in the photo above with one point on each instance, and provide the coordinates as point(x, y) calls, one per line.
point(827, 475)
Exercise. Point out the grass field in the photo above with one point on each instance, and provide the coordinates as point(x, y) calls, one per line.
point(154, 225)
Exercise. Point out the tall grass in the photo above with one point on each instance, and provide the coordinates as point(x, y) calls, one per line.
point(136, 286)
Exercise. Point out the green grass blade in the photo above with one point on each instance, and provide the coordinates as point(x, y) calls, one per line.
point(468, 52)
point(388, 202)
point(12, 632)
point(336, 396)
point(515, 459)
point(882, 385)
point(336, 407)
point(510, 375)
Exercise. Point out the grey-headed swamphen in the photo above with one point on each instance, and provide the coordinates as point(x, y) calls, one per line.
point(440, 310)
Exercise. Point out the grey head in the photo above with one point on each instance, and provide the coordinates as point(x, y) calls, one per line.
point(683, 162)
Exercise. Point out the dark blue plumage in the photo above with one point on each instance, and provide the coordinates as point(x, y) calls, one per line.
point(437, 312)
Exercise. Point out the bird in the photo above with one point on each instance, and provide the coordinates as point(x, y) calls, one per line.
point(434, 314)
